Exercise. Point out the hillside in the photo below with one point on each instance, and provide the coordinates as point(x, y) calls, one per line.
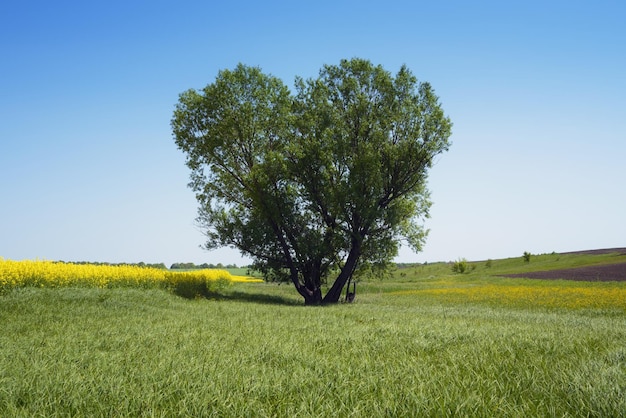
point(587, 265)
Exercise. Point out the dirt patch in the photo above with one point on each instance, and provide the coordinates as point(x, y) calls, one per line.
point(601, 273)
point(620, 251)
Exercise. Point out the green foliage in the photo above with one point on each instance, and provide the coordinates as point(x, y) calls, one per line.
point(526, 256)
point(324, 181)
point(462, 266)
point(193, 266)
point(161, 266)
point(459, 266)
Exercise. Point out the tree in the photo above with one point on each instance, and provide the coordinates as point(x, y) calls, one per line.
point(317, 184)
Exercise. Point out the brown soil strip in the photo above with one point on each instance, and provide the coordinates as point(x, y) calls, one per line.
point(601, 273)
point(620, 251)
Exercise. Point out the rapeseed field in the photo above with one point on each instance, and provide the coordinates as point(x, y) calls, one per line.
point(51, 274)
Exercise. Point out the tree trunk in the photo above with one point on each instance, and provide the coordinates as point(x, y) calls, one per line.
point(313, 298)
point(334, 294)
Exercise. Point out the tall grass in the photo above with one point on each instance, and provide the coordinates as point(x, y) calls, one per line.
point(143, 352)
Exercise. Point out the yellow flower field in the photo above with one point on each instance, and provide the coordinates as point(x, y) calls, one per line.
point(58, 274)
point(553, 296)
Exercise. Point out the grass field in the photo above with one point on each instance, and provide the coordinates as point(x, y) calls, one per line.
point(425, 342)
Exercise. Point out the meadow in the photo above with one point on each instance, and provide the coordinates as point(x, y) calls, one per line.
point(423, 342)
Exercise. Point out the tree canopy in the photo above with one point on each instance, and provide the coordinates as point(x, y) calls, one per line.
point(316, 184)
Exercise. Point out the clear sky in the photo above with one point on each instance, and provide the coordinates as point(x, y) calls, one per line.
point(90, 172)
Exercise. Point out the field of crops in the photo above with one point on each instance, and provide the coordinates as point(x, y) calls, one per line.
point(424, 342)
point(27, 273)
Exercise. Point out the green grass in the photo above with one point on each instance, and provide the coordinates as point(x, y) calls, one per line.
point(256, 351)
point(542, 262)
point(244, 271)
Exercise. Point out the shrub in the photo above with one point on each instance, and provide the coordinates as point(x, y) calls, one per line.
point(461, 266)
point(526, 256)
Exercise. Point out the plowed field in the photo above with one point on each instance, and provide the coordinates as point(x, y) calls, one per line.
point(602, 273)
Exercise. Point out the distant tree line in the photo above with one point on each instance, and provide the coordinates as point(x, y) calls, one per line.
point(175, 266)
point(100, 263)
point(188, 266)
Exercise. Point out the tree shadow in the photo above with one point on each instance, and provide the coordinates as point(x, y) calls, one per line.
point(260, 298)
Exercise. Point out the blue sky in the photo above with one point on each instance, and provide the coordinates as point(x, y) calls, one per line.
point(89, 169)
